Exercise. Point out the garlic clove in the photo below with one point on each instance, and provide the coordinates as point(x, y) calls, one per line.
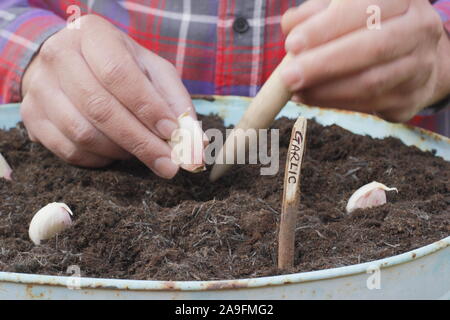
point(188, 144)
point(369, 195)
point(49, 221)
point(5, 169)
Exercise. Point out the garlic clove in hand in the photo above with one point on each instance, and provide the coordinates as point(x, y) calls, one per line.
point(49, 221)
point(5, 169)
point(188, 144)
point(369, 195)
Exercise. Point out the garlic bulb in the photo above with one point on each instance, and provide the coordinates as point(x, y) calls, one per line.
point(5, 169)
point(369, 195)
point(188, 144)
point(48, 221)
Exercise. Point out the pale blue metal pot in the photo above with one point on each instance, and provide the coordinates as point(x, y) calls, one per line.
point(423, 273)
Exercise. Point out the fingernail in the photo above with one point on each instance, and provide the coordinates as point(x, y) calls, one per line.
point(165, 168)
point(292, 76)
point(294, 43)
point(166, 127)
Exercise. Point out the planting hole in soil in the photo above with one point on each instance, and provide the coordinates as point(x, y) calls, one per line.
point(130, 224)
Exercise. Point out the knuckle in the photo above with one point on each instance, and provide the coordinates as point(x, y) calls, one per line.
point(90, 20)
point(419, 77)
point(432, 25)
point(82, 134)
point(382, 51)
point(113, 73)
point(26, 113)
point(72, 156)
point(372, 84)
point(140, 148)
point(99, 108)
point(148, 109)
point(25, 109)
point(50, 50)
point(428, 64)
point(143, 110)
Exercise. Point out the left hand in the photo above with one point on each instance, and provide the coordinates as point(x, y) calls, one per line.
point(393, 72)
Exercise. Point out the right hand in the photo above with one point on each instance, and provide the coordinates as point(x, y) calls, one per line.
point(94, 95)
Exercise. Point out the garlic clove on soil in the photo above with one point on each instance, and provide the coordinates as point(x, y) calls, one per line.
point(368, 196)
point(5, 169)
point(49, 221)
point(188, 144)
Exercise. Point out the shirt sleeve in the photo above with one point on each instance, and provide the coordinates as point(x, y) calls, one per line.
point(443, 8)
point(23, 29)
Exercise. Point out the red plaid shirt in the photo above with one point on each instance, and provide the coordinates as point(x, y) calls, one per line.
point(213, 50)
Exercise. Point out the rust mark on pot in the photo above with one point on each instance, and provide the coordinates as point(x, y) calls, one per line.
point(413, 255)
point(112, 288)
point(425, 133)
point(363, 115)
point(103, 286)
point(170, 285)
point(30, 294)
point(226, 285)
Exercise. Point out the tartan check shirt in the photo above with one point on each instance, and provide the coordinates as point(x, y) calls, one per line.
point(223, 47)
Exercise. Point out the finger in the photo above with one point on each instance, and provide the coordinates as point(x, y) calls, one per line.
point(340, 18)
point(363, 105)
point(27, 114)
point(112, 118)
point(76, 128)
point(51, 138)
point(297, 15)
point(167, 82)
point(114, 65)
point(391, 107)
point(363, 86)
point(366, 49)
point(396, 110)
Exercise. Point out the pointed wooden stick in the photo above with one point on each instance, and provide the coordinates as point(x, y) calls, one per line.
point(291, 195)
point(263, 109)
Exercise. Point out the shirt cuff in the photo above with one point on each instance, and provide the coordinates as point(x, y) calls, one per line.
point(20, 40)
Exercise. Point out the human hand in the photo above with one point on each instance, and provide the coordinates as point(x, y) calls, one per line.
point(393, 72)
point(94, 95)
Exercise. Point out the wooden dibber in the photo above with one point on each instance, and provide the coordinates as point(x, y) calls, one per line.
point(262, 111)
point(291, 195)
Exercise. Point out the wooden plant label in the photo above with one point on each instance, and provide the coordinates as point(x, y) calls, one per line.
point(291, 195)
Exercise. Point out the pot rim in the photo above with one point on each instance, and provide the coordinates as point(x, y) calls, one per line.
point(424, 132)
point(272, 281)
point(302, 277)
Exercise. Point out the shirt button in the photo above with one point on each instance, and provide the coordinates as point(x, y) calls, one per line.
point(241, 25)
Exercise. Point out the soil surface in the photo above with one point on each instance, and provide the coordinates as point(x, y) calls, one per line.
point(130, 224)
